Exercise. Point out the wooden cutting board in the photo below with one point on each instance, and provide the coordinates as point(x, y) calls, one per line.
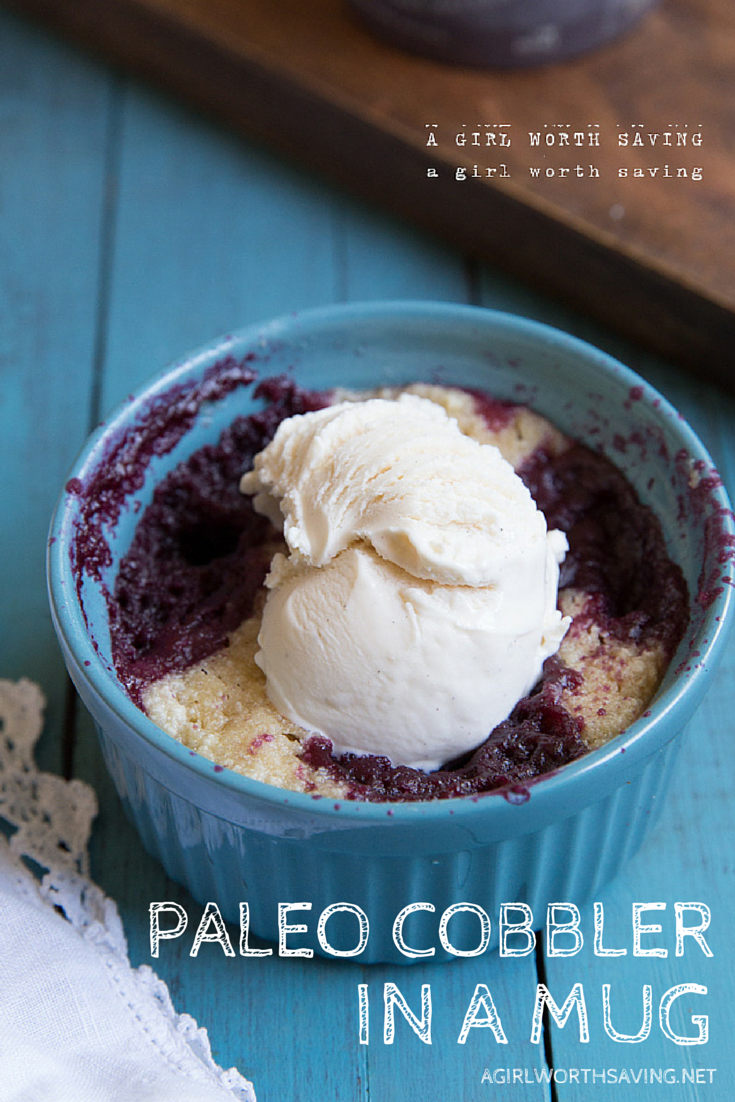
point(639, 232)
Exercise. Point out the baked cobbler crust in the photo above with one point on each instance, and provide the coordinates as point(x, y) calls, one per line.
point(602, 679)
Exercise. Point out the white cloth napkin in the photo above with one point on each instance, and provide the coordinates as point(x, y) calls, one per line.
point(77, 1022)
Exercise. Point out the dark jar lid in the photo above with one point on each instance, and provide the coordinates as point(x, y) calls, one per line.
point(502, 33)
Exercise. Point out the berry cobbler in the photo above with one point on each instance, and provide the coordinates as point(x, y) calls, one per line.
point(192, 600)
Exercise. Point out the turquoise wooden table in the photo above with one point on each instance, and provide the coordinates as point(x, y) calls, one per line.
point(130, 232)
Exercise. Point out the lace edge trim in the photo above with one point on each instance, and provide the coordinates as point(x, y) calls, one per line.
point(52, 819)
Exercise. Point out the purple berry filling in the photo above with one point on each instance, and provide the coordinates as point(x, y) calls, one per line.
point(200, 555)
point(200, 552)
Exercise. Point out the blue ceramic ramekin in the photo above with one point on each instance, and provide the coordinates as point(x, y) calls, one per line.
point(230, 839)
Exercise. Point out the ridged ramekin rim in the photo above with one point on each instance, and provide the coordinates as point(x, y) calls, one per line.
point(666, 716)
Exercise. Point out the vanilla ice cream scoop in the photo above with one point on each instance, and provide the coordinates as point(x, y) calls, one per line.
point(418, 601)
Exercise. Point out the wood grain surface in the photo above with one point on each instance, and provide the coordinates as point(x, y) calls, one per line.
point(651, 255)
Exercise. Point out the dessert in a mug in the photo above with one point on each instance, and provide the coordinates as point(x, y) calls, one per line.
point(397, 595)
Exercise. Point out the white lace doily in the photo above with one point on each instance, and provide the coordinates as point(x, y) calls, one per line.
point(78, 1022)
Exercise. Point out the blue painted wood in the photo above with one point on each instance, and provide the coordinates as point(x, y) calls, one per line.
point(271, 241)
point(379, 258)
point(212, 234)
point(53, 107)
point(409, 1071)
point(209, 236)
point(687, 858)
point(131, 231)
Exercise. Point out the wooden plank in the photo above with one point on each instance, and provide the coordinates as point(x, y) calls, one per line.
point(682, 388)
point(687, 858)
point(224, 237)
point(227, 235)
point(651, 257)
point(52, 165)
point(410, 1071)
